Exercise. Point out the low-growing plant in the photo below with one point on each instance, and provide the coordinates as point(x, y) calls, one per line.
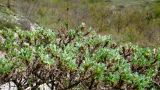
point(75, 59)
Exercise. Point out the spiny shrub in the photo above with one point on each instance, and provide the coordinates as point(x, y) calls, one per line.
point(75, 59)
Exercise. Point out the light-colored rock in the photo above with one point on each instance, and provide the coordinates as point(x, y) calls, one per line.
point(8, 86)
point(44, 87)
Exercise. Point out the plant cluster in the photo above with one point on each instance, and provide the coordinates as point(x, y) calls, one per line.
point(75, 59)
